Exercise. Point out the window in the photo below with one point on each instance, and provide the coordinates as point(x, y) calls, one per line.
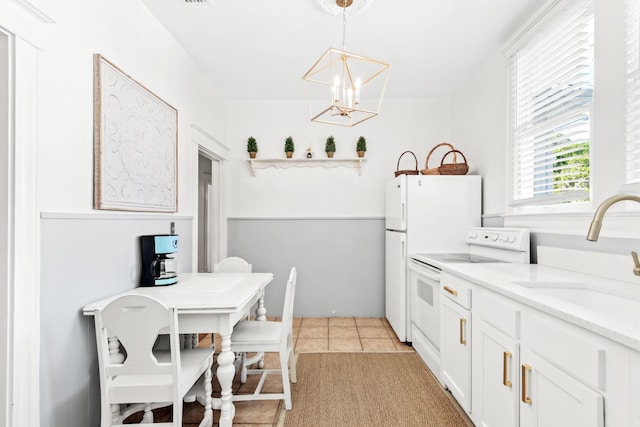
point(551, 93)
point(632, 116)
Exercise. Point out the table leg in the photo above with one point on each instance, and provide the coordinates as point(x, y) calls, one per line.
point(225, 373)
point(261, 311)
point(261, 315)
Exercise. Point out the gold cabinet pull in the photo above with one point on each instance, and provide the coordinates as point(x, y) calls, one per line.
point(451, 291)
point(525, 399)
point(506, 355)
point(463, 322)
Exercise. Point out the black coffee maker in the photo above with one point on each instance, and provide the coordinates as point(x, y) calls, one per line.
point(158, 268)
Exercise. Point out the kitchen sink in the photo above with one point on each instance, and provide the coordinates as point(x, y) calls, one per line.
point(614, 305)
point(623, 308)
point(550, 284)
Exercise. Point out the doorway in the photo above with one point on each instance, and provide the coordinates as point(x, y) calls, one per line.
point(209, 227)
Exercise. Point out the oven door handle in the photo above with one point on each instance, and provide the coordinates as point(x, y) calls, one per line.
point(425, 271)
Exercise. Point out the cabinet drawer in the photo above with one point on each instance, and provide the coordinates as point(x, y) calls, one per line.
point(456, 289)
point(570, 348)
point(499, 312)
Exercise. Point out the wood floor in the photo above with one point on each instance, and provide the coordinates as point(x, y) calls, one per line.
point(311, 335)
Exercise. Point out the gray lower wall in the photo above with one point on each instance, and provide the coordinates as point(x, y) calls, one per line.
point(86, 258)
point(340, 262)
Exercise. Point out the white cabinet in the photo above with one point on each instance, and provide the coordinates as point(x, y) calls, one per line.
point(455, 352)
point(563, 373)
point(550, 397)
point(495, 360)
point(495, 377)
point(529, 366)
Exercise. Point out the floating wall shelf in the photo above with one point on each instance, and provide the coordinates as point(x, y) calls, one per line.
point(305, 163)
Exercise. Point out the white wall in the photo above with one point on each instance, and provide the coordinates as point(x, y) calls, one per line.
point(125, 33)
point(479, 123)
point(320, 192)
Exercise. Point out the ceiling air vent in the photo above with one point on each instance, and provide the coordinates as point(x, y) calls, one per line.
point(197, 1)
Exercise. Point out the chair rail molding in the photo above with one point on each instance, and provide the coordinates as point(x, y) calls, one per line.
point(305, 163)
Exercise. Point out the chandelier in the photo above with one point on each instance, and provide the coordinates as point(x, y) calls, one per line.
point(343, 88)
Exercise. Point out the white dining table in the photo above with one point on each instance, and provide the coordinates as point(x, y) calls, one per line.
point(208, 303)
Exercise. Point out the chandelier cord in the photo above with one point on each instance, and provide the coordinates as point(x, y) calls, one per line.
point(344, 25)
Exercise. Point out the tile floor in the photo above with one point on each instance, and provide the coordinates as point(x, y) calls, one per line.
point(345, 334)
point(311, 335)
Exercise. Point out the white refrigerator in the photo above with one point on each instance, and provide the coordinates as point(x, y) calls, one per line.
point(428, 214)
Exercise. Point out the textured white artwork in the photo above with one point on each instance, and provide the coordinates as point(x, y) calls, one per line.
point(135, 143)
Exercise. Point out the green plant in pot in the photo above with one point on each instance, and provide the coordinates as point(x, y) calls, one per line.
point(252, 147)
point(330, 146)
point(289, 147)
point(361, 146)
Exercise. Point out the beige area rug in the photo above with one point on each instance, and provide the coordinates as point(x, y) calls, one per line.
point(369, 389)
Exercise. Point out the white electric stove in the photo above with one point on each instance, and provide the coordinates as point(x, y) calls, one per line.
point(485, 245)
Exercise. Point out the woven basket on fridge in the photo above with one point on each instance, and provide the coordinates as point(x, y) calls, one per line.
point(435, 171)
point(407, 171)
point(453, 168)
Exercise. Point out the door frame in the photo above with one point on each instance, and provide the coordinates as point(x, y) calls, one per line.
point(210, 147)
point(29, 31)
point(21, 333)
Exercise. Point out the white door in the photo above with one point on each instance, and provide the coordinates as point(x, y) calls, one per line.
point(495, 379)
point(396, 310)
point(455, 352)
point(553, 398)
point(424, 289)
point(396, 204)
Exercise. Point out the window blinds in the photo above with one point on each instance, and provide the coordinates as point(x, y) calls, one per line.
point(632, 116)
point(551, 78)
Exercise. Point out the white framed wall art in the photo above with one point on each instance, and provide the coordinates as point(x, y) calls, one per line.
point(135, 144)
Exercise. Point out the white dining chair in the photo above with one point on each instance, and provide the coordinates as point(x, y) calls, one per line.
point(270, 336)
point(141, 378)
point(240, 265)
point(232, 265)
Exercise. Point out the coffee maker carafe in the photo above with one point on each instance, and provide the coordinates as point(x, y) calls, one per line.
point(158, 268)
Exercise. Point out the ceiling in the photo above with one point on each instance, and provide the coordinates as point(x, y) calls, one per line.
point(259, 49)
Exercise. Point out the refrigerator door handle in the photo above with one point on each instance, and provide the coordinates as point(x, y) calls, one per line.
point(404, 213)
point(403, 254)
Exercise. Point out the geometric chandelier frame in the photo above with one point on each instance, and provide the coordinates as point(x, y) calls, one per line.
point(343, 88)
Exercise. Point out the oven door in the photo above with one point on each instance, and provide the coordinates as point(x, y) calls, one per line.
point(425, 300)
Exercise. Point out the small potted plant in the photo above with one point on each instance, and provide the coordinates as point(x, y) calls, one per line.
point(289, 147)
point(330, 146)
point(252, 147)
point(361, 146)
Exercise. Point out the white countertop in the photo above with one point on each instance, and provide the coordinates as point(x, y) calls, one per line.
point(614, 313)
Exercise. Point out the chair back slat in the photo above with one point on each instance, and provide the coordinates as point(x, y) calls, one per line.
point(232, 265)
point(287, 311)
point(136, 321)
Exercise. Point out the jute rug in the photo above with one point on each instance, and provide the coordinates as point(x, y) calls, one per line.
point(368, 389)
